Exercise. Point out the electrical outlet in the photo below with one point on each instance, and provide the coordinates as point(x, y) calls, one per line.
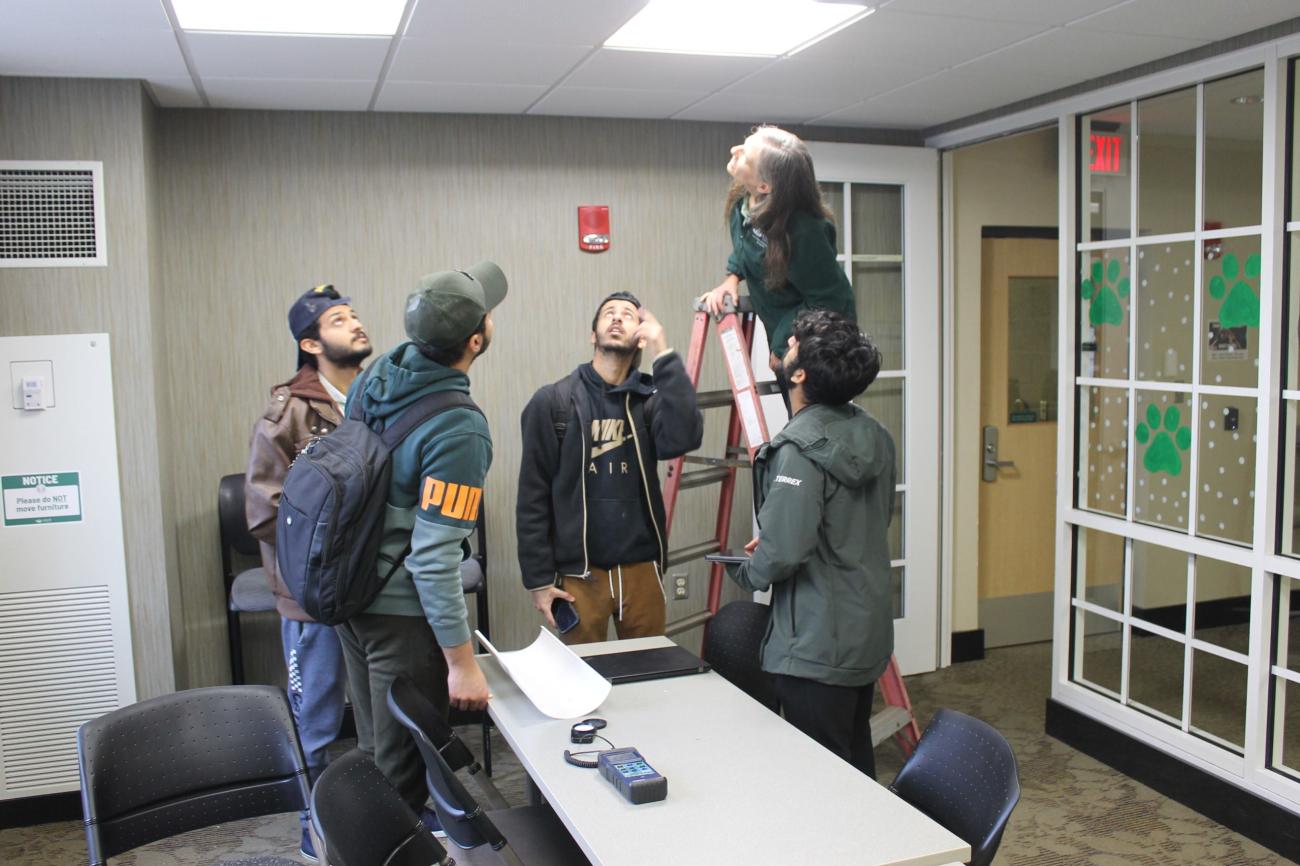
point(680, 588)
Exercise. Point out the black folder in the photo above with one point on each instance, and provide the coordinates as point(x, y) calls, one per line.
point(648, 664)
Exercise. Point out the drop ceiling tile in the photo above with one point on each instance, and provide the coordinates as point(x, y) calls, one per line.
point(457, 98)
point(442, 60)
point(264, 55)
point(759, 108)
point(84, 15)
point(175, 93)
point(638, 69)
point(1030, 11)
point(565, 22)
point(289, 94)
point(1209, 20)
point(611, 102)
point(87, 52)
point(795, 77)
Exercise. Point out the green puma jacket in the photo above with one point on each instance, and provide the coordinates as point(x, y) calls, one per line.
point(824, 492)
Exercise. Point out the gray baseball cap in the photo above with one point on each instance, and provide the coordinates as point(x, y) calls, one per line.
point(447, 306)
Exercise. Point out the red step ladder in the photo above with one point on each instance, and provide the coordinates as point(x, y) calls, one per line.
point(735, 335)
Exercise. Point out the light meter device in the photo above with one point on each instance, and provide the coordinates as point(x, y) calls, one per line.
point(636, 780)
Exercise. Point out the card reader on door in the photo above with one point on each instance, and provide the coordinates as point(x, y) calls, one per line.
point(636, 780)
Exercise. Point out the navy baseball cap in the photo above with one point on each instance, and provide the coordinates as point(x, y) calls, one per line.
point(308, 309)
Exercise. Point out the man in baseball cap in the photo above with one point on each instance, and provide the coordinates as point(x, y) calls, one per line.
point(418, 627)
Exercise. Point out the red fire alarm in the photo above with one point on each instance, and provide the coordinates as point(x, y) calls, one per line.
point(593, 228)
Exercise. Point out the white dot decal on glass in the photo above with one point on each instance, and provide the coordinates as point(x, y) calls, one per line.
point(1236, 436)
point(1112, 497)
point(1206, 488)
point(1142, 482)
point(1220, 525)
point(1184, 494)
point(1212, 425)
point(1187, 263)
point(1092, 424)
point(1202, 518)
point(1124, 422)
point(1164, 499)
point(1144, 285)
point(1163, 329)
point(1169, 249)
point(1220, 470)
point(1142, 255)
point(1241, 460)
point(1218, 378)
point(1146, 345)
point(1156, 268)
point(1205, 405)
point(1187, 299)
point(1226, 411)
point(1180, 518)
point(1251, 494)
point(1164, 482)
point(1183, 321)
point(1218, 494)
point(1236, 501)
point(1096, 496)
point(1171, 294)
point(1211, 443)
point(1107, 422)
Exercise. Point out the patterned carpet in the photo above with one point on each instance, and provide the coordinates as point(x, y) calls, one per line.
point(1073, 810)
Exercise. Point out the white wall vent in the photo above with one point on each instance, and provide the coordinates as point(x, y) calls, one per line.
point(52, 215)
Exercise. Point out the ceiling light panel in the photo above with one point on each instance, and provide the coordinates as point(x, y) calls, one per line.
point(756, 28)
point(317, 17)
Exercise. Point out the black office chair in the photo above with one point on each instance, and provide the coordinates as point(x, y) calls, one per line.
point(963, 774)
point(531, 835)
point(363, 821)
point(247, 589)
point(473, 581)
point(187, 760)
point(731, 643)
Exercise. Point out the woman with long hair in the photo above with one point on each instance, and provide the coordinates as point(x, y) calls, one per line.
point(782, 237)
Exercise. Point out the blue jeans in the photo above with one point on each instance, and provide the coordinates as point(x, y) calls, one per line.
point(314, 659)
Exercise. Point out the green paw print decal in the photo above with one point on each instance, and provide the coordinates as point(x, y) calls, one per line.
point(1104, 294)
point(1242, 304)
point(1162, 454)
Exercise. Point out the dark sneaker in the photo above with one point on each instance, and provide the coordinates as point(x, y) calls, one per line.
point(429, 819)
point(308, 850)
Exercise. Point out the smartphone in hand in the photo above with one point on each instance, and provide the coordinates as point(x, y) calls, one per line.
point(565, 615)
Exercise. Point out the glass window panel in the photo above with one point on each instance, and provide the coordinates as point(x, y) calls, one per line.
point(1163, 436)
point(895, 534)
point(884, 400)
point(1160, 585)
point(1105, 137)
point(1031, 349)
point(1103, 449)
point(1234, 150)
point(1101, 647)
point(1295, 141)
point(1230, 309)
point(1104, 284)
point(1219, 697)
point(1289, 489)
point(899, 580)
point(1164, 314)
point(878, 293)
point(833, 196)
point(1286, 725)
point(1099, 568)
point(1167, 163)
point(1288, 626)
point(1155, 673)
point(1292, 297)
point(1223, 604)
point(877, 219)
point(1226, 472)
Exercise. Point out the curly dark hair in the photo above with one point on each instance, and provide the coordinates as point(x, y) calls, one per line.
point(838, 360)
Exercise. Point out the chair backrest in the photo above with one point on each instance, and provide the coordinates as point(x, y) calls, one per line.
point(462, 818)
point(731, 646)
point(234, 525)
point(963, 774)
point(187, 760)
point(364, 821)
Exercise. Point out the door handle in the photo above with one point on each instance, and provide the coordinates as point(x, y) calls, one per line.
point(991, 462)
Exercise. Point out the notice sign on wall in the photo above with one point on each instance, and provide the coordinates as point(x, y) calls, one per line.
point(49, 498)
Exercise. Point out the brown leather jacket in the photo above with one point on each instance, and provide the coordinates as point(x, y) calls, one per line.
point(300, 410)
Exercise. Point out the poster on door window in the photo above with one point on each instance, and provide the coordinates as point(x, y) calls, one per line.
point(1227, 344)
point(51, 497)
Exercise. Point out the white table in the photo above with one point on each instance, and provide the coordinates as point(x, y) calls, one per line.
point(744, 787)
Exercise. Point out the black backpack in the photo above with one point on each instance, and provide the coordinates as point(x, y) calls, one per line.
point(331, 515)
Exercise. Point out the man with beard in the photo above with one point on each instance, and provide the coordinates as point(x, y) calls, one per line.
point(418, 627)
point(590, 515)
point(332, 343)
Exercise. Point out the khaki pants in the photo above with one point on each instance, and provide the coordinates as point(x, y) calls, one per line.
point(631, 594)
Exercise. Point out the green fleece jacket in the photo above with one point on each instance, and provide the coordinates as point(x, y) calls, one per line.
point(824, 490)
point(815, 280)
point(435, 493)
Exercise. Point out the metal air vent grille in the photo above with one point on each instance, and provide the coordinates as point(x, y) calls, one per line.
point(51, 214)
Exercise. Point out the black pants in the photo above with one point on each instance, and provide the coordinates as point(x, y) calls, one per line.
point(378, 648)
point(838, 717)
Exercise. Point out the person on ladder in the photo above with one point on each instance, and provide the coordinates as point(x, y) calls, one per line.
point(590, 513)
point(824, 493)
point(782, 238)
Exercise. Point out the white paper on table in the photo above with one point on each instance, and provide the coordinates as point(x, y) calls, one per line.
point(559, 684)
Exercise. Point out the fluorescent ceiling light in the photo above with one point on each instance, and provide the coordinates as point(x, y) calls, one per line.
point(756, 28)
point(322, 17)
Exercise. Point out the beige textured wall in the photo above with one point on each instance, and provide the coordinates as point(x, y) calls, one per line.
point(982, 176)
point(260, 206)
point(59, 119)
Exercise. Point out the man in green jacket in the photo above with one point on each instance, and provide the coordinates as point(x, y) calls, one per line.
point(824, 491)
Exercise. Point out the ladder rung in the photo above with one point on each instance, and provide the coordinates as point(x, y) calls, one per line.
point(687, 623)
point(742, 463)
point(713, 399)
point(888, 722)
point(695, 551)
point(704, 476)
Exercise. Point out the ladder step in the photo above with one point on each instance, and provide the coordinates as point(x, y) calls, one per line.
point(702, 477)
point(888, 722)
point(739, 462)
point(695, 551)
point(713, 399)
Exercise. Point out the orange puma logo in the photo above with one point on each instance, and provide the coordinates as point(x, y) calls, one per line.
point(458, 501)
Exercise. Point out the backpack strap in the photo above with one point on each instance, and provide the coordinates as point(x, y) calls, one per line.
point(561, 407)
point(422, 410)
